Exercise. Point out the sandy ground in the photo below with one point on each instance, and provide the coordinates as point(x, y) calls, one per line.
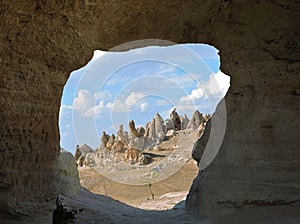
point(99, 209)
point(175, 176)
point(143, 196)
point(161, 202)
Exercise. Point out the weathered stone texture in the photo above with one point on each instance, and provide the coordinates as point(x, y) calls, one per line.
point(43, 41)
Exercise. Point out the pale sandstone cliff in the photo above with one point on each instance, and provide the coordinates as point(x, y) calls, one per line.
point(43, 41)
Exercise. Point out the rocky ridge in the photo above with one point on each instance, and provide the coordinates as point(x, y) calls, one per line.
point(258, 42)
point(133, 158)
point(135, 147)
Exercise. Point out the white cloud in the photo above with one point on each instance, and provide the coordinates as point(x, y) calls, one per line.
point(95, 110)
point(83, 101)
point(133, 98)
point(215, 87)
point(144, 106)
point(195, 95)
point(118, 106)
point(218, 84)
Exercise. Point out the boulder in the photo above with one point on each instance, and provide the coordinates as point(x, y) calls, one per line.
point(171, 133)
point(81, 150)
point(141, 131)
point(145, 159)
point(137, 143)
point(132, 155)
point(69, 183)
point(169, 125)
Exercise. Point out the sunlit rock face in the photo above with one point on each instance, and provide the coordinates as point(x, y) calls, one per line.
point(68, 174)
point(257, 161)
point(196, 120)
point(42, 42)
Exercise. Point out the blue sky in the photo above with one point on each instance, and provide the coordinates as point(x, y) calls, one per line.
point(116, 87)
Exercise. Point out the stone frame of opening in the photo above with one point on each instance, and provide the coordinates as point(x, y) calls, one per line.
point(38, 52)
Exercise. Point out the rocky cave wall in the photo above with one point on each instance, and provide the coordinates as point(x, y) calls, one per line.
point(43, 41)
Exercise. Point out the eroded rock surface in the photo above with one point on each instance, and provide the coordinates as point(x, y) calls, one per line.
point(68, 174)
point(42, 42)
point(196, 120)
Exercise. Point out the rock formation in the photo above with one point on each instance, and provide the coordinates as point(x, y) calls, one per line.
point(133, 132)
point(145, 159)
point(141, 131)
point(111, 142)
point(206, 117)
point(184, 122)
point(81, 150)
point(176, 120)
point(132, 155)
point(201, 128)
point(169, 125)
point(103, 140)
point(201, 143)
point(171, 133)
point(122, 135)
point(119, 146)
point(137, 143)
point(155, 129)
point(195, 121)
point(69, 183)
point(259, 50)
point(80, 153)
point(132, 146)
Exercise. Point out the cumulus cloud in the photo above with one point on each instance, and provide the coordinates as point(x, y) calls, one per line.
point(95, 110)
point(86, 103)
point(194, 95)
point(133, 98)
point(215, 87)
point(83, 101)
point(217, 84)
point(118, 106)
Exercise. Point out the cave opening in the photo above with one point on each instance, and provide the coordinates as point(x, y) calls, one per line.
point(131, 118)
